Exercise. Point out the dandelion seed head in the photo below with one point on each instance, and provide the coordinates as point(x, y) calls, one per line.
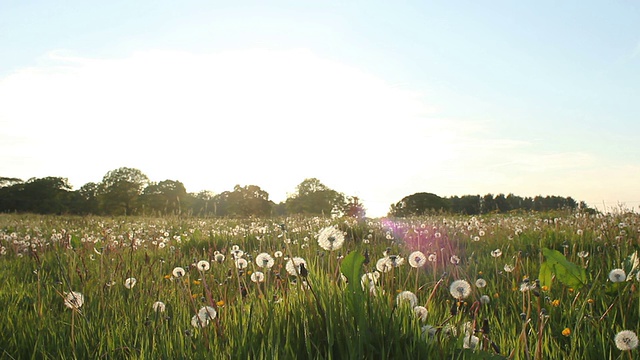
point(129, 283)
point(203, 265)
point(460, 289)
point(73, 300)
point(159, 306)
point(293, 265)
point(480, 283)
point(626, 340)
point(617, 275)
point(421, 312)
point(331, 238)
point(496, 253)
point(417, 259)
point(264, 260)
point(257, 277)
point(178, 272)
point(407, 297)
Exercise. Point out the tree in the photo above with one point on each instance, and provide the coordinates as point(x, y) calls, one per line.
point(243, 201)
point(120, 190)
point(165, 197)
point(202, 203)
point(418, 204)
point(48, 195)
point(314, 198)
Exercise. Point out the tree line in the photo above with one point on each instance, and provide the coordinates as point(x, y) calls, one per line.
point(423, 203)
point(128, 191)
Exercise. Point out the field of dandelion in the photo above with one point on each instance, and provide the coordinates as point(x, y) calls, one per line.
point(518, 286)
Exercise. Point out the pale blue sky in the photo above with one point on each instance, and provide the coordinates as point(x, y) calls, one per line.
point(376, 99)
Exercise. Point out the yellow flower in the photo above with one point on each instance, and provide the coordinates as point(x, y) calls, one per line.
point(220, 303)
point(496, 295)
point(571, 290)
point(167, 277)
point(545, 288)
point(555, 303)
point(196, 282)
point(566, 332)
point(590, 301)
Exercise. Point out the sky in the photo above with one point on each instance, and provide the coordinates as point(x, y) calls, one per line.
point(376, 99)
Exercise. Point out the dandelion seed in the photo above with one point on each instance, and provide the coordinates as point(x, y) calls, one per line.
point(485, 299)
point(73, 300)
point(460, 289)
point(278, 254)
point(203, 265)
point(480, 283)
point(159, 306)
point(241, 263)
point(626, 340)
point(264, 260)
point(178, 272)
point(257, 277)
point(417, 259)
point(421, 312)
point(207, 313)
point(196, 322)
point(218, 257)
point(407, 296)
point(617, 275)
point(130, 282)
point(293, 265)
point(383, 265)
point(496, 253)
point(470, 342)
point(508, 268)
point(330, 238)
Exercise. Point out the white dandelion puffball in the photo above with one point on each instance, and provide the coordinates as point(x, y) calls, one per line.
point(159, 306)
point(417, 259)
point(257, 277)
point(407, 297)
point(331, 238)
point(293, 265)
point(481, 283)
point(130, 282)
point(617, 275)
point(626, 340)
point(196, 322)
point(73, 300)
point(207, 313)
point(383, 265)
point(264, 260)
point(178, 272)
point(460, 289)
point(496, 253)
point(203, 265)
point(470, 341)
point(241, 263)
point(421, 312)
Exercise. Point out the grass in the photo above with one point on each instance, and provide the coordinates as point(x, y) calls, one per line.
point(321, 312)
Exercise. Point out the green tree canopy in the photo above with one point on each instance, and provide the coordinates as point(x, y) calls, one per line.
point(315, 198)
point(120, 190)
point(419, 204)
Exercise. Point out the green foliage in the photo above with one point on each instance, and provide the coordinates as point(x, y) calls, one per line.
point(351, 267)
point(566, 272)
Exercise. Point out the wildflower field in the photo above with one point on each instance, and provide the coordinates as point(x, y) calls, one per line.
point(520, 286)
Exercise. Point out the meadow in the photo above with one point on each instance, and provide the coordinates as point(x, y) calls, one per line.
point(561, 285)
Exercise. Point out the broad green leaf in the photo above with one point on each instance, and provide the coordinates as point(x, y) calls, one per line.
point(566, 272)
point(351, 268)
point(546, 274)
